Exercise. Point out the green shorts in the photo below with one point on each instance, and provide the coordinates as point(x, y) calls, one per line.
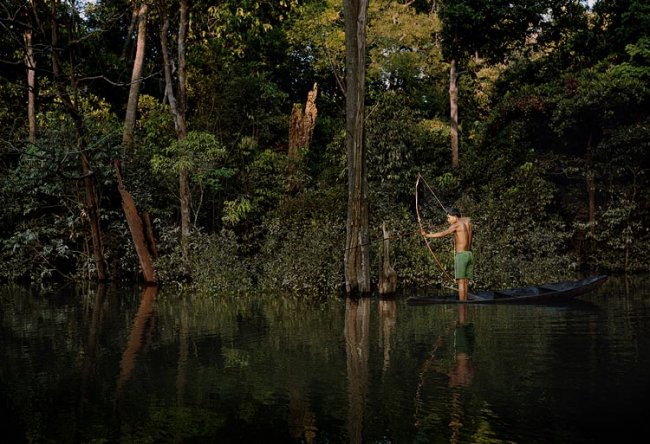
point(464, 262)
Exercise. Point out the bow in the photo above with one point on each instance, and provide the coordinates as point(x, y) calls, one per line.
point(426, 241)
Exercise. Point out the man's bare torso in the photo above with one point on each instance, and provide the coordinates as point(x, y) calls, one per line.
point(463, 234)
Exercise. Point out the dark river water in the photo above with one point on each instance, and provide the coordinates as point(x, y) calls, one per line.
point(161, 366)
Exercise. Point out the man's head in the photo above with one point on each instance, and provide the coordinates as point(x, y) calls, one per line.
point(453, 211)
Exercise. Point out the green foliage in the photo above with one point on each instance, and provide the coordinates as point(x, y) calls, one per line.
point(218, 262)
point(197, 153)
point(304, 245)
point(549, 95)
point(517, 239)
point(402, 53)
point(401, 143)
point(45, 223)
point(259, 183)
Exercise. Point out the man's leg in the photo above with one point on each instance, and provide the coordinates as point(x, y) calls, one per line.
point(462, 289)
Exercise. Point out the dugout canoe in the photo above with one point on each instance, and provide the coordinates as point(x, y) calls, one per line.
point(534, 294)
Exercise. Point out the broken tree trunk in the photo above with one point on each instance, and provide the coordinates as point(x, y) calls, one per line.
point(303, 123)
point(301, 130)
point(388, 276)
point(137, 229)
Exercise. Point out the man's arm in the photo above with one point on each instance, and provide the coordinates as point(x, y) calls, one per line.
point(444, 233)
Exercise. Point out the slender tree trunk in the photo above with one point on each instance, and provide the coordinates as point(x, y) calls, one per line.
point(92, 206)
point(30, 62)
point(132, 25)
point(136, 77)
point(184, 176)
point(357, 254)
point(136, 225)
point(92, 209)
point(177, 104)
point(149, 234)
point(591, 184)
point(453, 112)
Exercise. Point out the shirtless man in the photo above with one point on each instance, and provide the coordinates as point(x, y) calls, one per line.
point(461, 227)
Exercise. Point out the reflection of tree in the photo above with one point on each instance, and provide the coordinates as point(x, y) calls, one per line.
point(387, 320)
point(181, 370)
point(90, 351)
point(302, 420)
point(140, 334)
point(357, 327)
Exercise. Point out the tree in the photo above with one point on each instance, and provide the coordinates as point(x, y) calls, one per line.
point(71, 107)
point(357, 255)
point(136, 223)
point(480, 29)
point(177, 98)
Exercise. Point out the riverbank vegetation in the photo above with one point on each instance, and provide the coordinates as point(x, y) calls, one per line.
point(224, 124)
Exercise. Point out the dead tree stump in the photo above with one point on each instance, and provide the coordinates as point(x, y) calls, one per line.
point(301, 129)
point(388, 276)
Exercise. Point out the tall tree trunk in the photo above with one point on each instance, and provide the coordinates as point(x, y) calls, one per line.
point(143, 249)
point(30, 62)
point(453, 112)
point(357, 254)
point(177, 104)
point(134, 20)
point(591, 184)
point(92, 206)
point(136, 77)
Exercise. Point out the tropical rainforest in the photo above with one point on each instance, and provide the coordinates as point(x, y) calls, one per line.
point(203, 142)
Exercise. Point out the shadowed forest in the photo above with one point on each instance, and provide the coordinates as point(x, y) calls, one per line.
point(205, 142)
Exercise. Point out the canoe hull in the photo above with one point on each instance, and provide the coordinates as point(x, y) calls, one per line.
point(534, 294)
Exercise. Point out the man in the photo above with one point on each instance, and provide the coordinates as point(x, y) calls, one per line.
point(461, 228)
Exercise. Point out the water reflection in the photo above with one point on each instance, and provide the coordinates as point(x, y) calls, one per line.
point(302, 419)
point(183, 352)
point(458, 373)
point(357, 327)
point(462, 373)
point(95, 313)
point(139, 337)
point(387, 320)
point(141, 366)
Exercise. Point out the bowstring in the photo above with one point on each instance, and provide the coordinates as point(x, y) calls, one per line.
point(426, 241)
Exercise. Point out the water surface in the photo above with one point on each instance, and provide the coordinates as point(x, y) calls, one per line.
point(155, 365)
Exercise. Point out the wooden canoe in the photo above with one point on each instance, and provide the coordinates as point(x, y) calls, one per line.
point(534, 294)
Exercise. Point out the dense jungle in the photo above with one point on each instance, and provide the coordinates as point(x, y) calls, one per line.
point(203, 143)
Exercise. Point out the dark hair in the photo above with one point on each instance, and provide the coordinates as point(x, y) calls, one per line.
point(453, 211)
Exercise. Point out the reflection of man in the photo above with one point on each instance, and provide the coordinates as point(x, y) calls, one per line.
point(463, 372)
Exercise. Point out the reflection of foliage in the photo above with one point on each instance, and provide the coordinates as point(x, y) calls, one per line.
point(250, 352)
point(235, 358)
